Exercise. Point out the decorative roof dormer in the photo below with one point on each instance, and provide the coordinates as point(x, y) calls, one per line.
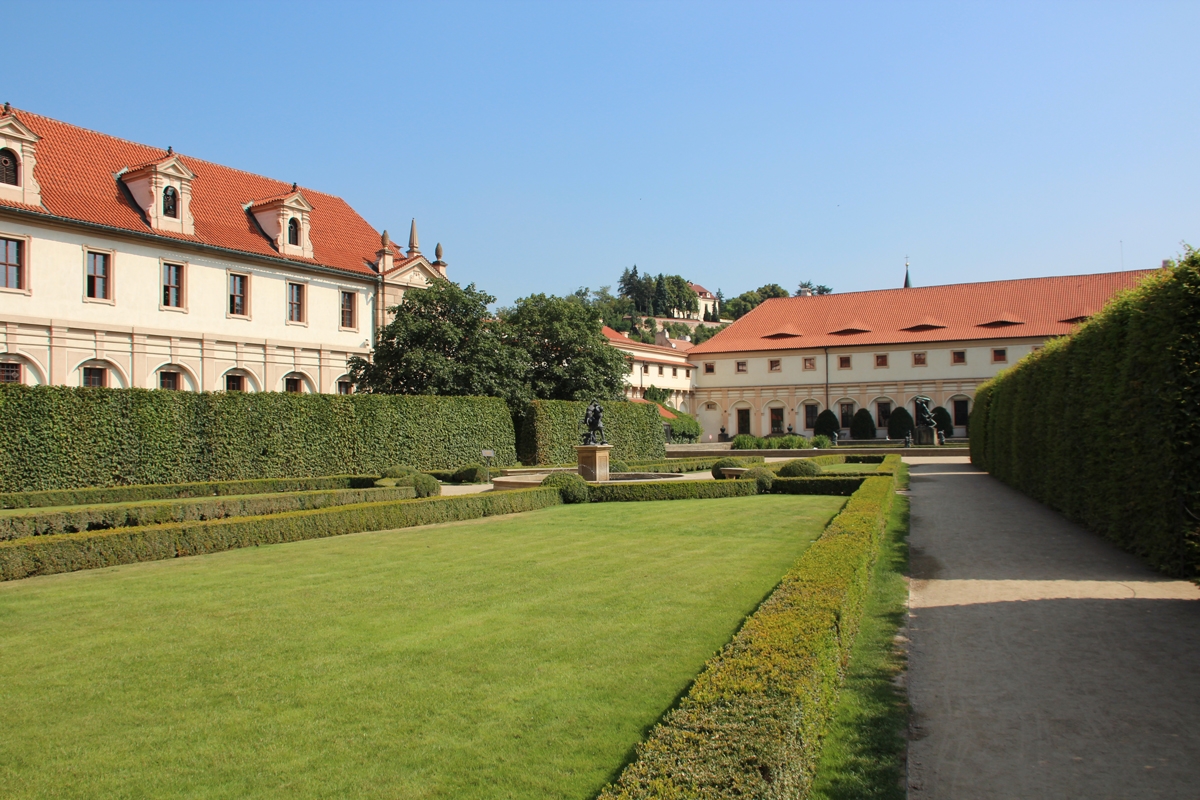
point(286, 221)
point(18, 146)
point(163, 192)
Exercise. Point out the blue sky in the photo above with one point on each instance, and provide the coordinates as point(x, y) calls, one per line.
point(550, 145)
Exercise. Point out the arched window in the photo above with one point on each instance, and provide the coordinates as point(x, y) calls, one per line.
point(8, 168)
point(294, 231)
point(170, 202)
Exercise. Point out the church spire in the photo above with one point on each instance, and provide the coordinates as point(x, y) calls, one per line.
point(907, 282)
point(414, 247)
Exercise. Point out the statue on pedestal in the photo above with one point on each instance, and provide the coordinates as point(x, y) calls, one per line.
point(593, 419)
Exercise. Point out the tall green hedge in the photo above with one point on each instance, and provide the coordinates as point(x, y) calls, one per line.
point(549, 430)
point(57, 437)
point(1104, 425)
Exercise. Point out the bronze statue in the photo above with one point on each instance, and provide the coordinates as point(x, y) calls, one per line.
point(593, 419)
point(924, 415)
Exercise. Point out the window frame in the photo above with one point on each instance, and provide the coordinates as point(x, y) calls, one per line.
point(241, 379)
point(110, 277)
point(342, 294)
point(955, 361)
point(674, 372)
point(920, 358)
point(881, 419)
point(809, 364)
point(230, 274)
point(294, 226)
point(954, 401)
point(710, 368)
point(846, 420)
point(20, 367)
point(293, 380)
point(347, 384)
point(687, 372)
point(17, 169)
point(771, 419)
point(170, 191)
point(1002, 358)
point(83, 377)
point(177, 380)
point(882, 361)
point(645, 368)
point(845, 362)
point(774, 365)
point(163, 264)
point(741, 367)
point(303, 304)
point(24, 241)
point(660, 369)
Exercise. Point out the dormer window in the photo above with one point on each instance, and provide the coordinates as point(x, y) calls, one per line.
point(286, 220)
point(9, 168)
point(294, 231)
point(170, 202)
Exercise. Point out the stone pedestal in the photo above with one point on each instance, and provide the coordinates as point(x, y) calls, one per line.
point(593, 461)
point(925, 436)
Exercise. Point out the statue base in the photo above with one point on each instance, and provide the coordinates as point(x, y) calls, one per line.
point(925, 436)
point(593, 461)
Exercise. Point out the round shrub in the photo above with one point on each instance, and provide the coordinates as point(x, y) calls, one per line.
point(944, 422)
point(827, 423)
point(744, 441)
point(861, 425)
point(618, 466)
point(398, 471)
point(763, 477)
point(822, 442)
point(721, 464)
point(800, 468)
point(572, 487)
point(900, 424)
point(471, 473)
point(426, 485)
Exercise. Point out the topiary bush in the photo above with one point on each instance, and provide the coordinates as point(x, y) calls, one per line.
point(570, 485)
point(763, 477)
point(426, 485)
point(618, 466)
point(900, 424)
point(721, 464)
point(943, 420)
point(862, 426)
point(827, 422)
point(799, 468)
point(471, 473)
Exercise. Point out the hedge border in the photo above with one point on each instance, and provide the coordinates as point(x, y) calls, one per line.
point(47, 555)
point(752, 723)
point(178, 491)
point(669, 490)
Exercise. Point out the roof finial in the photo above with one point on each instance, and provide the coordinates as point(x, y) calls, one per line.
point(170, 150)
point(414, 248)
point(384, 240)
point(7, 108)
point(437, 251)
point(293, 186)
point(907, 282)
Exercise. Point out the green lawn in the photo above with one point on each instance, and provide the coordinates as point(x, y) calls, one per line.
point(519, 656)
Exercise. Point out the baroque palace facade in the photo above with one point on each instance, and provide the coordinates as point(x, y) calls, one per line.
point(790, 358)
point(126, 265)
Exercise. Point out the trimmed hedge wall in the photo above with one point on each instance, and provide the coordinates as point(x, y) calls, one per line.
point(681, 465)
point(550, 429)
point(752, 723)
point(1104, 425)
point(45, 555)
point(130, 515)
point(61, 437)
point(841, 485)
point(174, 491)
point(669, 490)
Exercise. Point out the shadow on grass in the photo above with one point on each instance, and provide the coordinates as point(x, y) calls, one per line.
point(864, 749)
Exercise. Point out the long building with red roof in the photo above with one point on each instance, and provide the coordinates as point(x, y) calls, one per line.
point(131, 265)
point(778, 367)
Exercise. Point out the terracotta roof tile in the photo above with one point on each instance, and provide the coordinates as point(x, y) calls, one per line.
point(995, 309)
point(76, 169)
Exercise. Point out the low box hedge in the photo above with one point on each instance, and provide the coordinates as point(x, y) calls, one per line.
point(752, 723)
point(172, 491)
point(132, 515)
point(45, 555)
point(669, 490)
point(681, 465)
point(841, 485)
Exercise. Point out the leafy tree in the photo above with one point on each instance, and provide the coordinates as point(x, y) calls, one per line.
point(657, 395)
point(615, 312)
point(746, 302)
point(808, 287)
point(662, 302)
point(862, 426)
point(568, 357)
point(702, 333)
point(827, 423)
point(443, 341)
point(637, 289)
point(900, 424)
point(681, 297)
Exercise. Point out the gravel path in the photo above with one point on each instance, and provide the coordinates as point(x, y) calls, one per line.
point(1043, 662)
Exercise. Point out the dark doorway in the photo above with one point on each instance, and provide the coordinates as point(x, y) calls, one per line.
point(961, 415)
point(743, 418)
point(776, 420)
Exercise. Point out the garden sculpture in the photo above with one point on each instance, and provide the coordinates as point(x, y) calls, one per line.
point(941, 437)
point(592, 418)
point(833, 438)
point(924, 415)
point(908, 440)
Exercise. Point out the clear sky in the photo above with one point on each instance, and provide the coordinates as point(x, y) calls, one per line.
point(550, 145)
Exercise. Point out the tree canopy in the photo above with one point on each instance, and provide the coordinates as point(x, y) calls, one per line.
point(658, 295)
point(746, 302)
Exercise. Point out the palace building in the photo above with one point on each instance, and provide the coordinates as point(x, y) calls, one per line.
point(790, 358)
point(663, 365)
point(127, 265)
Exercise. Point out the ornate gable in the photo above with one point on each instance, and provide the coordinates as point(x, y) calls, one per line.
point(286, 221)
point(17, 138)
point(163, 193)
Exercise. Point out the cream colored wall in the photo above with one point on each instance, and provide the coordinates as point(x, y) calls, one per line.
point(55, 329)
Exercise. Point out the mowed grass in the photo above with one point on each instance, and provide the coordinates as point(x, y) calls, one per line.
point(519, 656)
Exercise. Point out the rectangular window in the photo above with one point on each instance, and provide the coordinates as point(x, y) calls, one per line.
point(168, 380)
point(687, 373)
point(958, 356)
point(348, 309)
point(743, 420)
point(674, 372)
point(98, 278)
point(1000, 355)
point(238, 286)
point(918, 359)
point(881, 360)
point(810, 362)
point(843, 362)
point(645, 369)
point(847, 410)
point(774, 365)
point(95, 377)
point(776, 420)
point(883, 412)
point(173, 285)
point(961, 415)
point(660, 369)
point(293, 385)
point(234, 383)
point(11, 264)
point(295, 311)
point(741, 366)
point(10, 373)
point(345, 387)
point(709, 368)
point(810, 416)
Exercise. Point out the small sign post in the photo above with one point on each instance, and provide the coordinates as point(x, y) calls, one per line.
point(487, 465)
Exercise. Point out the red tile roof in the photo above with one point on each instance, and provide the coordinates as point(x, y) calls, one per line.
point(76, 169)
point(620, 339)
point(963, 311)
point(663, 412)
